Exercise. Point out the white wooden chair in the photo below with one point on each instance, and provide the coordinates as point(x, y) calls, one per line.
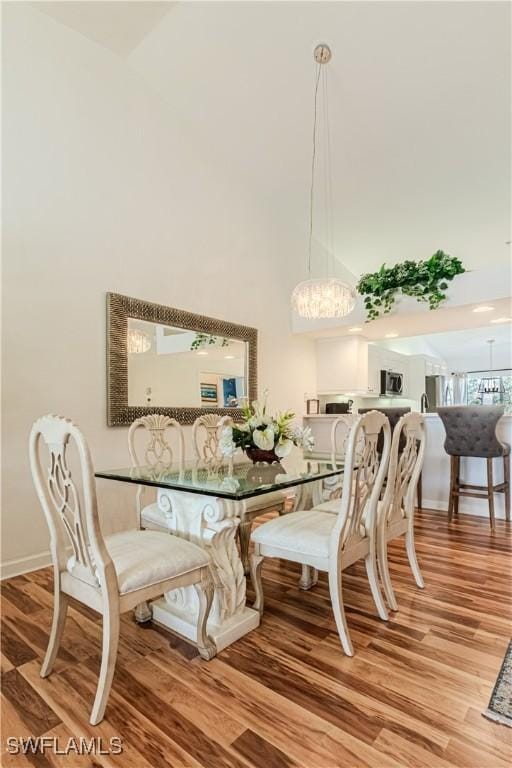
point(331, 542)
point(205, 438)
point(206, 431)
point(326, 494)
point(110, 574)
point(395, 513)
point(340, 433)
point(160, 456)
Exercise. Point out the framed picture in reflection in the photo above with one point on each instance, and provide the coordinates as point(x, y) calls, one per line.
point(209, 394)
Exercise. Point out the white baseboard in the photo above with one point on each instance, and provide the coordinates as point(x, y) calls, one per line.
point(25, 565)
point(466, 507)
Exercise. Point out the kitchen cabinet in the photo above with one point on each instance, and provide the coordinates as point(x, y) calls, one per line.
point(352, 366)
point(380, 359)
point(435, 367)
point(342, 365)
point(374, 366)
point(421, 366)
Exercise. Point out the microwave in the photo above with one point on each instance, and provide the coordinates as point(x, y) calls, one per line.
point(391, 383)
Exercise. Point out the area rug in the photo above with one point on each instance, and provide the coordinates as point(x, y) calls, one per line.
point(500, 705)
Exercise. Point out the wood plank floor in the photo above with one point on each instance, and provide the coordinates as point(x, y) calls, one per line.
point(285, 695)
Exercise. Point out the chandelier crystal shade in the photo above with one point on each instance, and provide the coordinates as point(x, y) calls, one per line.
point(322, 297)
point(137, 342)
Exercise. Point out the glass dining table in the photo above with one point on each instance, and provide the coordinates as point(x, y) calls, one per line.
point(204, 502)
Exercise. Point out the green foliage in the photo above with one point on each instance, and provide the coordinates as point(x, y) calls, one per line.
point(426, 280)
point(242, 438)
point(283, 421)
point(205, 339)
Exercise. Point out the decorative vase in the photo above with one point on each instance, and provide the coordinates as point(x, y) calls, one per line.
point(260, 474)
point(258, 455)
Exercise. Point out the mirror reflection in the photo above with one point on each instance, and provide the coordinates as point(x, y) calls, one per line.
point(184, 368)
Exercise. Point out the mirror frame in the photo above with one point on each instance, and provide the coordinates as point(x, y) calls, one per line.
point(119, 309)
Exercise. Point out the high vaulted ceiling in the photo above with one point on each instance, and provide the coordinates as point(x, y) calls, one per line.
point(419, 105)
point(118, 26)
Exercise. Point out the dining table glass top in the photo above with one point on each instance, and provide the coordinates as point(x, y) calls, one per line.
point(236, 479)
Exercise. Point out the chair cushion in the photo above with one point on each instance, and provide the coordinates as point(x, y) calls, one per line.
point(305, 532)
point(143, 558)
point(266, 501)
point(152, 516)
point(332, 506)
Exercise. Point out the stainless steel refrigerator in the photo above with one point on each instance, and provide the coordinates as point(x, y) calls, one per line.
point(445, 390)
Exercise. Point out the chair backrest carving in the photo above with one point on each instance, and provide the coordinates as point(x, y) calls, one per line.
point(405, 465)
point(206, 436)
point(340, 432)
point(71, 512)
point(363, 477)
point(158, 453)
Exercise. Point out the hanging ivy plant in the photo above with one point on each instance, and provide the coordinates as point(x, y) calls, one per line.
point(426, 280)
point(207, 339)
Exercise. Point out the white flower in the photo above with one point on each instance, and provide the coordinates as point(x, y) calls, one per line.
point(300, 436)
point(226, 444)
point(293, 432)
point(283, 448)
point(259, 407)
point(264, 438)
point(307, 440)
point(255, 422)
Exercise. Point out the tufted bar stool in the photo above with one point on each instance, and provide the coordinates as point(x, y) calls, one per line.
point(471, 432)
point(394, 415)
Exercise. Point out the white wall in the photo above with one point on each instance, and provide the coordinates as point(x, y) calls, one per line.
point(177, 376)
point(104, 189)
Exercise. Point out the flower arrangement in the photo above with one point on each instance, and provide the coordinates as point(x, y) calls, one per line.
point(264, 437)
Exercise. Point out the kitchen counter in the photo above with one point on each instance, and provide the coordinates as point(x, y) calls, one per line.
point(323, 415)
point(436, 469)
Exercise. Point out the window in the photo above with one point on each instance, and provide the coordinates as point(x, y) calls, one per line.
point(474, 397)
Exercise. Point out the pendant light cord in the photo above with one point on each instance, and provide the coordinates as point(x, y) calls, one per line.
point(313, 159)
point(329, 207)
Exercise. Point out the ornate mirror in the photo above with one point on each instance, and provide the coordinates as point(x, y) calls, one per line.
point(166, 360)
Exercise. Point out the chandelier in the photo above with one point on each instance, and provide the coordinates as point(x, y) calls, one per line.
point(137, 342)
point(326, 297)
point(491, 385)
